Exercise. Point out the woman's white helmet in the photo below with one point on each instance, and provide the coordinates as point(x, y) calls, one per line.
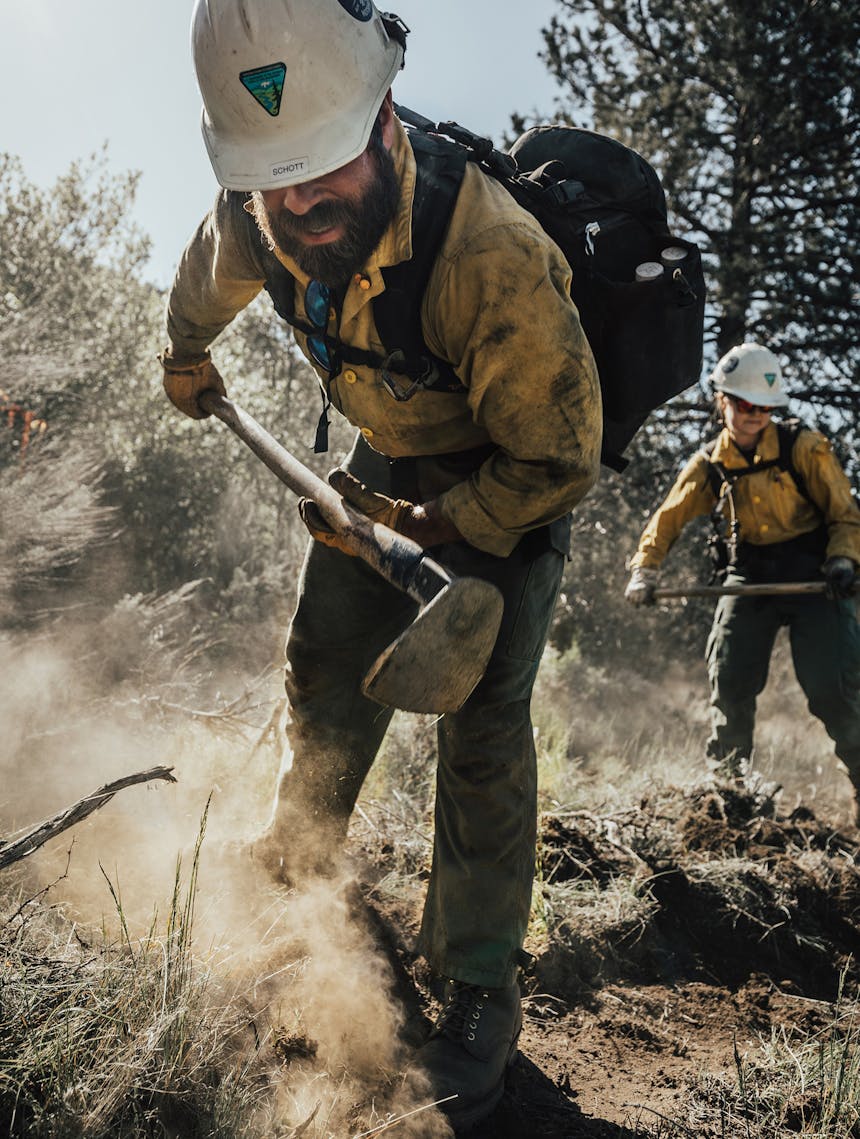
point(752, 373)
point(291, 88)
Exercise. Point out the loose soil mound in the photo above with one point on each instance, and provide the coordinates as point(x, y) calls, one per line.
point(734, 890)
point(676, 936)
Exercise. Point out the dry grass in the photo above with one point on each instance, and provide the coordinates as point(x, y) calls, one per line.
point(275, 1027)
point(126, 1037)
point(793, 1084)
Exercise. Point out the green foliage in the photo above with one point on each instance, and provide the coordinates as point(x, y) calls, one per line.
point(53, 235)
point(79, 334)
point(750, 114)
point(69, 285)
point(591, 614)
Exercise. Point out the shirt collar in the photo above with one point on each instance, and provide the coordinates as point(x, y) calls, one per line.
point(728, 453)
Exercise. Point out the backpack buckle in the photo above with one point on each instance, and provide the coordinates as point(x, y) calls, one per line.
point(396, 28)
point(396, 361)
point(565, 192)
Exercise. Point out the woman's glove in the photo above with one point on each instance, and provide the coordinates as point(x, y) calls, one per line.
point(641, 586)
point(839, 577)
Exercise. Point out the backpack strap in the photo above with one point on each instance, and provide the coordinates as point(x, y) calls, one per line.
point(715, 472)
point(723, 550)
point(787, 433)
point(440, 166)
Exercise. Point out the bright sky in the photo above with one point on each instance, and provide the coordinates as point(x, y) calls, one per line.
point(74, 75)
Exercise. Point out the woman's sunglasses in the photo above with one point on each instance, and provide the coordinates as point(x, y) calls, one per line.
point(748, 408)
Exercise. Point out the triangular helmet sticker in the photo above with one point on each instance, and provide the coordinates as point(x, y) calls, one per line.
point(771, 378)
point(266, 84)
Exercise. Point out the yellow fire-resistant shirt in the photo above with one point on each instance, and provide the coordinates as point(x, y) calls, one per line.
point(769, 506)
point(497, 308)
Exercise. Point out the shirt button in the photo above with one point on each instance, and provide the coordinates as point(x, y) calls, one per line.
point(756, 498)
point(763, 527)
point(367, 433)
point(350, 376)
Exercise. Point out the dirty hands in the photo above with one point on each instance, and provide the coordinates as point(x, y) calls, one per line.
point(839, 577)
point(184, 382)
point(423, 524)
point(641, 586)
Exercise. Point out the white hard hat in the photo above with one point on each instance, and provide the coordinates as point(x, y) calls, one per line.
point(752, 373)
point(291, 88)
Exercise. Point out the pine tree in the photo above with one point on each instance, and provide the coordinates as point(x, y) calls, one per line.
point(750, 113)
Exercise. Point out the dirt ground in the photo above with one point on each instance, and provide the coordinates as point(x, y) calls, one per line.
point(631, 1055)
point(676, 928)
point(753, 924)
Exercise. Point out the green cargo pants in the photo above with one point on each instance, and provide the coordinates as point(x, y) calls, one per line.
point(479, 892)
point(825, 648)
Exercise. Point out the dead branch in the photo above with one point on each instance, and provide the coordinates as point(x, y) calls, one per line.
point(20, 847)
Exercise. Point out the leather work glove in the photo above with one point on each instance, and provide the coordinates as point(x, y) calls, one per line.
point(392, 512)
point(641, 586)
point(839, 577)
point(185, 382)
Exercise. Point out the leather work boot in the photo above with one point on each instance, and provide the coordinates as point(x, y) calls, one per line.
point(470, 1048)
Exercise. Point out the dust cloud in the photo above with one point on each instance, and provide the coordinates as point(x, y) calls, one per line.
point(315, 991)
point(623, 727)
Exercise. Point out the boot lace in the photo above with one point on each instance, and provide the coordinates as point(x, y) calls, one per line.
point(462, 1011)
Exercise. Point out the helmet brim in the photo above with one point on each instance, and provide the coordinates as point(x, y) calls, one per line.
point(780, 399)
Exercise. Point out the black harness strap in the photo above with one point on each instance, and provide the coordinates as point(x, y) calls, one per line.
point(719, 476)
point(397, 310)
point(729, 553)
point(787, 433)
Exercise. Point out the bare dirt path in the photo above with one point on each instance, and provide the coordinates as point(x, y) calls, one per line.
point(633, 1057)
point(752, 929)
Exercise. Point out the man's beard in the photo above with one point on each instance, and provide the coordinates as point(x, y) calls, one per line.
point(364, 222)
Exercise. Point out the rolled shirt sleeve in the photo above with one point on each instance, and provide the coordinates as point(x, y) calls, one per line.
point(689, 498)
point(218, 275)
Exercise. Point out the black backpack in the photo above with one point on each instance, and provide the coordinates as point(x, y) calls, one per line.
point(604, 207)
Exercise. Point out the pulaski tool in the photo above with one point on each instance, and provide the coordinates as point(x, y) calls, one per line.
point(756, 589)
point(436, 661)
